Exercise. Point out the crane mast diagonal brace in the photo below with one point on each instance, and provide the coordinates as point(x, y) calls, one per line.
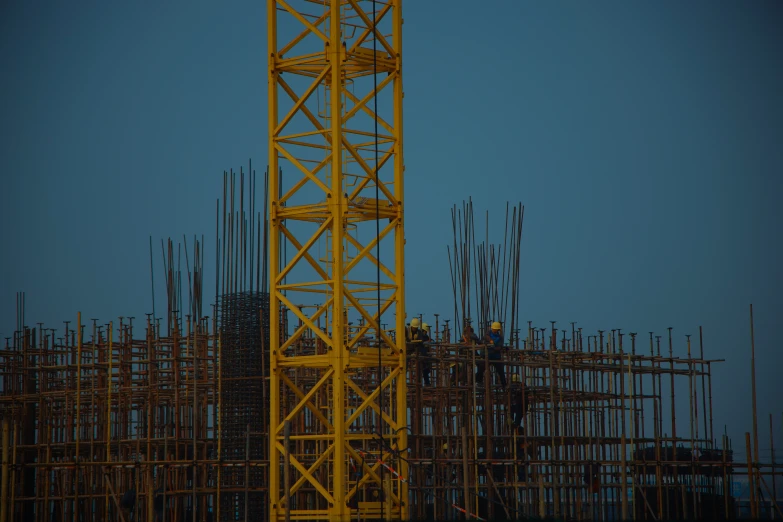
point(341, 387)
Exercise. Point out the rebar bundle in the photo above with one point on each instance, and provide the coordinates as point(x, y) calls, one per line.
point(243, 326)
point(195, 282)
point(243, 408)
point(485, 275)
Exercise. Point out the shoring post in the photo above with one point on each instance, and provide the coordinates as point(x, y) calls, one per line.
point(4, 481)
point(287, 468)
point(751, 485)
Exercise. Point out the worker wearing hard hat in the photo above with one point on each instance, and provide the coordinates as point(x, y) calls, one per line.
point(494, 340)
point(417, 339)
point(469, 338)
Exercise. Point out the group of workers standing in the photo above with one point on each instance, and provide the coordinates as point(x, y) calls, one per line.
point(417, 337)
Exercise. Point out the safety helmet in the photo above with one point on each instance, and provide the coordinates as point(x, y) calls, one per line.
point(445, 447)
point(415, 322)
point(496, 325)
point(425, 326)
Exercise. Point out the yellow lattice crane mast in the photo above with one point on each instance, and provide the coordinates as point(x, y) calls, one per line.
point(336, 260)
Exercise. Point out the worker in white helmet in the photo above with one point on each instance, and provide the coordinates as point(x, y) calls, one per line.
point(494, 341)
point(417, 340)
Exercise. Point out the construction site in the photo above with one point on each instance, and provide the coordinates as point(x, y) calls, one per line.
point(301, 387)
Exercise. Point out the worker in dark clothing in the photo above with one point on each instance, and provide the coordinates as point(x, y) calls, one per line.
point(424, 350)
point(128, 501)
point(158, 504)
point(498, 456)
point(526, 450)
point(417, 342)
point(520, 403)
point(592, 476)
point(494, 340)
point(520, 406)
point(469, 338)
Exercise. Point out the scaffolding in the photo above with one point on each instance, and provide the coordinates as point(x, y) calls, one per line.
point(168, 419)
point(105, 422)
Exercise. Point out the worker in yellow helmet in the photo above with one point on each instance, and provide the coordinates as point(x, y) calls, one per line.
point(417, 339)
point(494, 341)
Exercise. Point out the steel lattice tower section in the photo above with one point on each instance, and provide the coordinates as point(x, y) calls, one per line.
point(326, 226)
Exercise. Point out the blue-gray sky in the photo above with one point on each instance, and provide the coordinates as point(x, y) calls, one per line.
point(644, 139)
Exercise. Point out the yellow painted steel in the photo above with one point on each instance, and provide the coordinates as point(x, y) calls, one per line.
point(338, 180)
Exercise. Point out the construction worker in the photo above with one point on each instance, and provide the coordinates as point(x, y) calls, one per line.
point(525, 452)
point(469, 338)
point(417, 342)
point(494, 341)
point(427, 329)
point(592, 476)
point(426, 363)
point(520, 405)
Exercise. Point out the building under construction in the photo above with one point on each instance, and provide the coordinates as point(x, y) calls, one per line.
point(304, 392)
point(168, 419)
point(102, 424)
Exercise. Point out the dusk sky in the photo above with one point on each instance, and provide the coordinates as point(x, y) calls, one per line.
point(645, 140)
